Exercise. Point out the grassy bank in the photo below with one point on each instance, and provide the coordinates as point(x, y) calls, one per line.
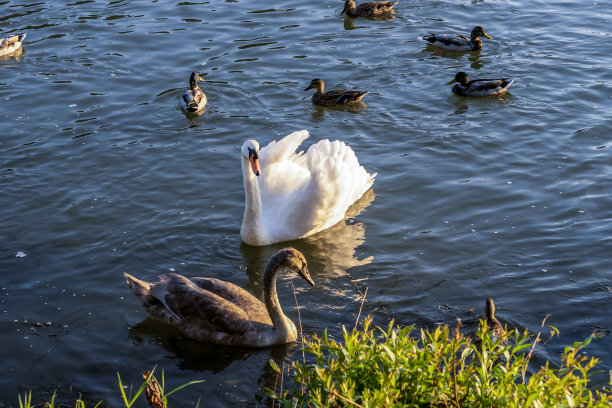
point(403, 367)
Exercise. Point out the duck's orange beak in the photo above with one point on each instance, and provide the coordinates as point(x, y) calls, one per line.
point(452, 82)
point(254, 160)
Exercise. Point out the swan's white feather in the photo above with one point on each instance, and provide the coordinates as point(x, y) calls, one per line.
point(302, 194)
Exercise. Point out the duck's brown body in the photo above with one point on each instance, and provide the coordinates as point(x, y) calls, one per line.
point(369, 9)
point(494, 326)
point(335, 97)
point(9, 45)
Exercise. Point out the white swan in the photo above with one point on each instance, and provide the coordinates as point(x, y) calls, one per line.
point(220, 312)
point(294, 195)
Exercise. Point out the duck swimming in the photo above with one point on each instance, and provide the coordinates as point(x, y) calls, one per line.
point(193, 99)
point(479, 87)
point(456, 42)
point(494, 326)
point(9, 45)
point(369, 9)
point(335, 97)
point(215, 311)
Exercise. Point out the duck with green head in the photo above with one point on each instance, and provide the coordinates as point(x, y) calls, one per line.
point(479, 87)
point(193, 99)
point(456, 42)
point(369, 9)
point(335, 97)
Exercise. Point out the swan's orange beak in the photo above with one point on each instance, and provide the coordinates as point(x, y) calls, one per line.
point(254, 160)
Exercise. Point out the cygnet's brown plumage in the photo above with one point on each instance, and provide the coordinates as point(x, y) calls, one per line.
point(216, 311)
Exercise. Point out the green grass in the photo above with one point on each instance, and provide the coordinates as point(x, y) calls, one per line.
point(128, 399)
point(403, 367)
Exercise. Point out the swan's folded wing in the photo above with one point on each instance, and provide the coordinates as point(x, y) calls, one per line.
point(253, 307)
point(199, 307)
point(337, 181)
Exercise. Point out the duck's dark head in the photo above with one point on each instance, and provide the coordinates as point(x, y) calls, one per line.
point(479, 31)
point(194, 78)
point(317, 84)
point(461, 77)
point(348, 4)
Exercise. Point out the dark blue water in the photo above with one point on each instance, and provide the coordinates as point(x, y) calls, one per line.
point(100, 174)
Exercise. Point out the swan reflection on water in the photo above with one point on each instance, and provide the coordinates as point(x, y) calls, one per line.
point(195, 355)
point(330, 253)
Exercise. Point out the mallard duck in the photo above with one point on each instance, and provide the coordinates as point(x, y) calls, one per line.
point(455, 42)
point(479, 87)
point(9, 45)
point(493, 325)
point(369, 9)
point(335, 97)
point(295, 195)
point(219, 312)
point(193, 99)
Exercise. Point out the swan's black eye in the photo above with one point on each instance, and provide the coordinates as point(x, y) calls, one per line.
point(253, 152)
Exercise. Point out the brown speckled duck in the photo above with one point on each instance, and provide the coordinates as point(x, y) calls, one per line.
point(193, 99)
point(494, 326)
point(9, 45)
point(335, 97)
point(369, 9)
point(219, 312)
point(456, 42)
point(479, 87)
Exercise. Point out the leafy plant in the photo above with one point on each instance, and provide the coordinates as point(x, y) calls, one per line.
point(400, 367)
point(154, 392)
point(152, 385)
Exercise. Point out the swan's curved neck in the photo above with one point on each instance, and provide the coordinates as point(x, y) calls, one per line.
point(252, 226)
point(284, 327)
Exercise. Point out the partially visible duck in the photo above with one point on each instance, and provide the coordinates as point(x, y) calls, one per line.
point(479, 87)
point(219, 312)
point(493, 325)
point(193, 99)
point(456, 42)
point(335, 97)
point(369, 9)
point(9, 45)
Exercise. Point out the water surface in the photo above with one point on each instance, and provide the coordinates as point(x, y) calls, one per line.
point(100, 174)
